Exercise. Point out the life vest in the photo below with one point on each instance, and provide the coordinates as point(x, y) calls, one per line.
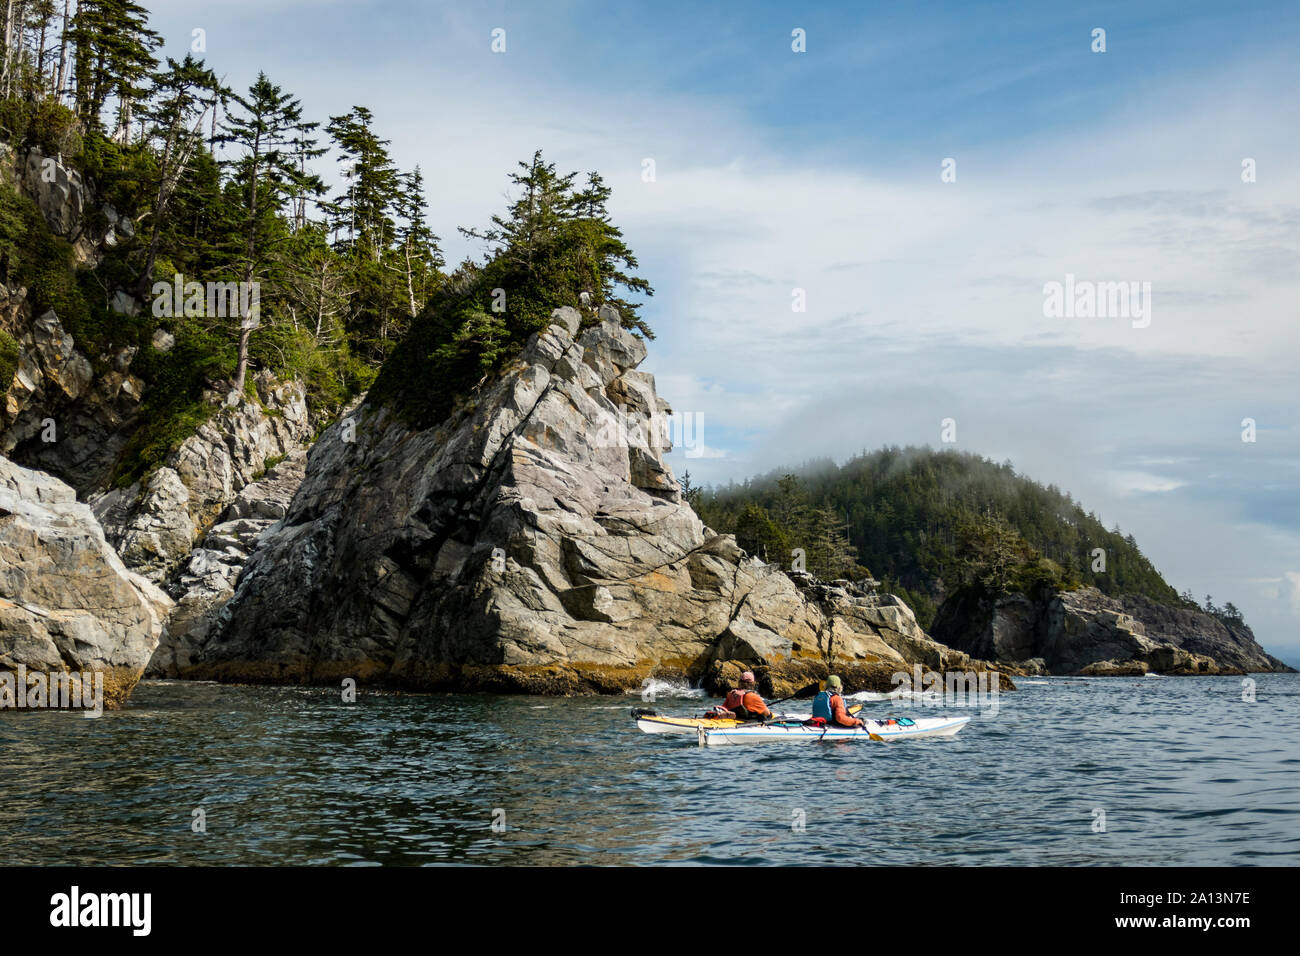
point(822, 706)
point(735, 703)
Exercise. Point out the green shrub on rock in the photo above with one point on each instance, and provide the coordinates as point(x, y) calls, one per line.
point(8, 359)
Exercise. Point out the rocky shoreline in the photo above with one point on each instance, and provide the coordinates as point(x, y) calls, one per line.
point(534, 542)
point(1089, 633)
point(67, 602)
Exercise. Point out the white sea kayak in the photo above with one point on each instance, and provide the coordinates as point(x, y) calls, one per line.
point(649, 722)
point(791, 731)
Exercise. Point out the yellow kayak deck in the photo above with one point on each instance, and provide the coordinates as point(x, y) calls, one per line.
point(690, 723)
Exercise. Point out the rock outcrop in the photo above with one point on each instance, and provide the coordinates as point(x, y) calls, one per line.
point(155, 523)
point(67, 603)
point(57, 414)
point(66, 202)
point(71, 414)
point(536, 541)
point(65, 412)
point(1087, 632)
point(207, 579)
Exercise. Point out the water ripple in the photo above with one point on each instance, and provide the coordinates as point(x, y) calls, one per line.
point(1180, 771)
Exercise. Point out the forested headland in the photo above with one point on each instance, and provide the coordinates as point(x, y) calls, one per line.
point(926, 523)
point(219, 181)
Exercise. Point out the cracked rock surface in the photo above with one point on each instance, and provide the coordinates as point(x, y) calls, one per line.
point(536, 541)
point(67, 602)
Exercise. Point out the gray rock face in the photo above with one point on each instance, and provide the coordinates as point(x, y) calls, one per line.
point(57, 415)
point(1085, 631)
point(58, 191)
point(67, 603)
point(207, 580)
point(154, 524)
point(91, 414)
point(1231, 645)
point(1006, 629)
point(535, 541)
point(66, 202)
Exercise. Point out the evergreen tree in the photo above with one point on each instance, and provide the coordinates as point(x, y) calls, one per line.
point(183, 94)
point(114, 56)
point(268, 135)
point(554, 243)
point(417, 245)
point(603, 257)
point(989, 551)
point(830, 555)
point(316, 295)
point(531, 224)
point(201, 226)
point(760, 536)
point(690, 492)
point(551, 244)
point(363, 209)
point(379, 311)
point(306, 187)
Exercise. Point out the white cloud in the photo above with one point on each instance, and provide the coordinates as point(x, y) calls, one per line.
point(1288, 591)
point(1127, 483)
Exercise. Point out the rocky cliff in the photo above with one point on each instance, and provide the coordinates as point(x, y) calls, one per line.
point(536, 541)
point(71, 414)
point(66, 201)
point(155, 523)
point(67, 603)
point(206, 581)
point(57, 414)
point(1086, 632)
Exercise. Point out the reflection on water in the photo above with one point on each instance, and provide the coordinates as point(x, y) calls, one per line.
point(1186, 772)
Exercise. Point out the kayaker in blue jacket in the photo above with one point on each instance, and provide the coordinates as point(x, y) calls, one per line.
point(829, 705)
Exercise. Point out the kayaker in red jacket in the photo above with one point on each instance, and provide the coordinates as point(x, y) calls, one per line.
point(829, 705)
point(744, 702)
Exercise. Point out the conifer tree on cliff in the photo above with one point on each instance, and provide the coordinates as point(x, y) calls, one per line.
point(268, 134)
point(182, 95)
point(114, 56)
point(373, 184)
point(553, 242)
point(420, 258)
point(604, 256)
point(556, 242)
point(367, 236)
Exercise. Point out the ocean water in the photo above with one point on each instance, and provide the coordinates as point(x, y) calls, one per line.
point(1184, 770)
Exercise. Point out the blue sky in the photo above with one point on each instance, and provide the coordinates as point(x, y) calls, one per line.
point(820, 171)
